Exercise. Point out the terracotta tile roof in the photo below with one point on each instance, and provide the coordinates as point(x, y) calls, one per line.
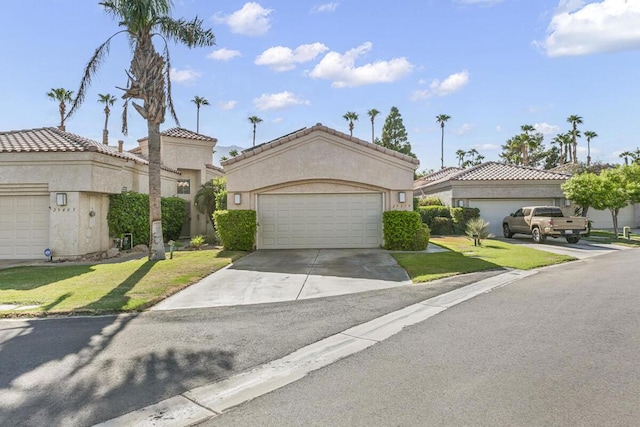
point(306, 131)
point(54, 140)
point(490, 171)
point(184, 133)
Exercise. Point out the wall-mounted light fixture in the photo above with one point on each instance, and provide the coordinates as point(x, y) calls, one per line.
point(461, 203)
point(402, 197)
point(61, 199)
point(237, 198)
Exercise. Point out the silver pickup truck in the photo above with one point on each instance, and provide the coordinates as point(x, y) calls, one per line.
point(542, 221)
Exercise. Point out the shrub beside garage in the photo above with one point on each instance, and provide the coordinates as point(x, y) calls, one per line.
point(236, 228)
point(404, 231)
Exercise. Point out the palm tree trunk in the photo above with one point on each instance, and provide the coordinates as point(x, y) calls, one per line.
point(62, 108)
point(156, 248)
point(105, 131)
point(373, 132)
point(197, 118)
point(442, 147)
point(254, 134)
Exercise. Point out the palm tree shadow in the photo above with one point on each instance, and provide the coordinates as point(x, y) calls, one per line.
point(117, 298)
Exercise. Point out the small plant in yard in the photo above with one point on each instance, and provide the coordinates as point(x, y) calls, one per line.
point(478, 230)
point(197, 242)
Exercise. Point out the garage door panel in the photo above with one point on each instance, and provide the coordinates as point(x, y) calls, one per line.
point(320, 221)
point(24, 226)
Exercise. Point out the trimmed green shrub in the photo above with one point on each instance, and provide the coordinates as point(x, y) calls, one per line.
point(221, 200)
point(129, 213)
point(431, 201)
point(421, 239)
point(236, 228)
point(441, 225)
point(400, 229)
point(427, 213)
point(416, 204)
point(460, 217)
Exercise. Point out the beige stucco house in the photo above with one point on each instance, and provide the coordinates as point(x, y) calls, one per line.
point(319, 188)
point(498, 189)
point(54, 187)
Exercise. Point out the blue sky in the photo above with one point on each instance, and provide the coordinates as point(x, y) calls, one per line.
point(492, 65)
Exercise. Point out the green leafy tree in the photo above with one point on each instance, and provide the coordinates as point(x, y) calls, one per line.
point(575, 120)
point(62, 96)
point(350, 117)
point(372, 116)
point(254, 120)
point(199, 101)
point(394, 134)
point(524, 149)
point(612, 193)
point(442, 119)
point(581, 190)
point(148, 80)
point(108, 100)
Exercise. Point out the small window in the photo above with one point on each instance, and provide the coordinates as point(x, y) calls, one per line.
point(518, 213)
point(526, 212)
point(184, 186)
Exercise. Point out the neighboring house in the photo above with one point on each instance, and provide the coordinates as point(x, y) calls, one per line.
point(319, 188)
point(190, 154)
point(54, 188)
point(498, 189)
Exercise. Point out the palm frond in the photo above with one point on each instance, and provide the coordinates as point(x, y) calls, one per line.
point(167, 71)
point(190, 33)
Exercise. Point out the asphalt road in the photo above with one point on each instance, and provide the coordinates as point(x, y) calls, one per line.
point(560, 348)
point(81, 371)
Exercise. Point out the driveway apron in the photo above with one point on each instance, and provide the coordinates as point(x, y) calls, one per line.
point(285, 275)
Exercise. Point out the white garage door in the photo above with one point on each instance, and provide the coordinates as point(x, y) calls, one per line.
point(24, 226)
point(493, 211)
point(602, 219)
point(319, 221)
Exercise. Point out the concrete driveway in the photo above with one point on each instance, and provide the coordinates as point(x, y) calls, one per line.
point(581, 250)
point(286, 275)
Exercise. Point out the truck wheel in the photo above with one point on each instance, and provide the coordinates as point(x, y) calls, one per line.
point(538, 237)
point(506, 231)
point(573, 239)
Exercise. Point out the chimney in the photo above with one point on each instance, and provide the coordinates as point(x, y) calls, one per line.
point(120, 143)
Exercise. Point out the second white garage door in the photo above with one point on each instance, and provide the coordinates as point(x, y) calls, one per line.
point(288, 221)
point(493, 211)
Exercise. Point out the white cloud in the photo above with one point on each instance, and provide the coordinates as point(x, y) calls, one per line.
point(186, 76)
point(278, 120)
point(499, 128)
point(342, 70)
point(227, 105)
point(278, 101)
point(325, 8)
point(251, 20)
point(546, 128)
point(280, 58)
point(224, 54)
point(451, 84)
point(486, 147)
point(465, 128)
point(603, 26)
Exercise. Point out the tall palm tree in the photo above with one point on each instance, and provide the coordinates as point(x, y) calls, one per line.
point(254, 121)
point(372, 115)
point(148, 80)
point(575, 120)
point(625, 155)
point(460, 154)
point(351, 117)
point(199, 101)
point(442, 119)
point(590, 135)
point(526, 142)
point(62, 96)
point(107, 99)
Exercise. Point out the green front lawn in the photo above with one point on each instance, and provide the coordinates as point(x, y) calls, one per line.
point(105, 288)
point(604, 236)
point(466, 258)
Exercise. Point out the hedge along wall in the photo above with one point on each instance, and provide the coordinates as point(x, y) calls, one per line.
point(443, 220)
point(129, 213)
point(236, 228)
point(403, 231)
